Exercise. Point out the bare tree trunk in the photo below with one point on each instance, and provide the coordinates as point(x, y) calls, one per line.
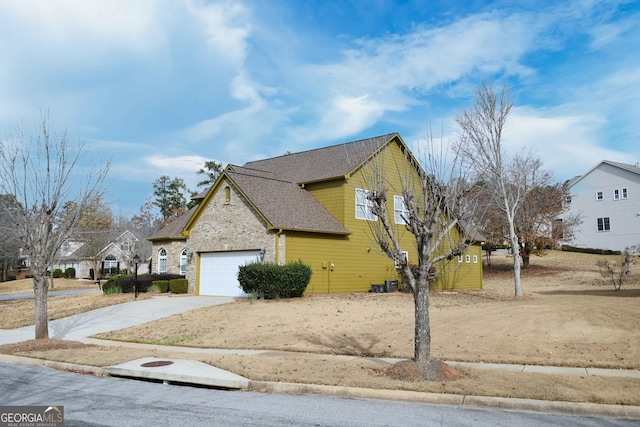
point(40, 290)
point(515, 248)
point(422, 339)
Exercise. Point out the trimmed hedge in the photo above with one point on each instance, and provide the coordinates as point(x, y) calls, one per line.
point(179, 286)
point(70, 273)
point(126, 282)
point(57, 273)
point(163, 285)
point(569, 248)
point(275, 281)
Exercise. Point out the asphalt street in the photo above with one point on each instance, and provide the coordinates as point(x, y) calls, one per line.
point(91, 401)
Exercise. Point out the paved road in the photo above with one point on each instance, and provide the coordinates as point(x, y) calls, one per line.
point(51, 294)
point(91, 401)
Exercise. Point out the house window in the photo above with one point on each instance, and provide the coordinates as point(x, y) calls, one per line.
point(110, 265)
point(400, 211)
point(183, 262)
point(625, 193)
point(604, 224)
point(467, 258)
point(405, 255)
point(599, 195)
point(616, 194)
point(459, 258)
point(162, 261)
point(475, 259)
point(364, 206)
point(227, 195)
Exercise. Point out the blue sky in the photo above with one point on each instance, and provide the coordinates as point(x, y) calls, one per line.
point(161, 86)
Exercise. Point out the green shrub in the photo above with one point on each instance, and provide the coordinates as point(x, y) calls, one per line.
point(57, 273)
point(179, 286)
point(111, 286)
point(162, 285)
point(70, 273)
point(143, 281)
point(270, 281)
point(596, 251)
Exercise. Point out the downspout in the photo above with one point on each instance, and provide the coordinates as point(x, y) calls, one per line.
point(278, 233)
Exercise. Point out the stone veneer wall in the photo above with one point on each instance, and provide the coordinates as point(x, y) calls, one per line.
point(174, 249)
point(228, 226)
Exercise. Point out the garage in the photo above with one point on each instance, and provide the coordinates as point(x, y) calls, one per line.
point(219, 272)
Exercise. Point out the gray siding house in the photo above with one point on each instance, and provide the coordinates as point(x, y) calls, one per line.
point(608, 199)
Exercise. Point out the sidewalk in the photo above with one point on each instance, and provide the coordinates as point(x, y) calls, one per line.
point(82, 326)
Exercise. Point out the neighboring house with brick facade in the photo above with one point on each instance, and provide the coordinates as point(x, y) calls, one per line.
point(607, 198)
point(306, 206)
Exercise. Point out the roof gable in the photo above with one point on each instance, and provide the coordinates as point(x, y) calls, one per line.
point(623, 166)
point(274, 186)
point(284, 204)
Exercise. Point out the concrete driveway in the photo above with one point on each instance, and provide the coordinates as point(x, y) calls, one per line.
point(114, 317)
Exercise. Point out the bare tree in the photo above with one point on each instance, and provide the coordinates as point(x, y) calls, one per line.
point(618, 270)
point(508, 179)
point(10, 243)
point(538, 222)
point(43, 172)
point(435, 197)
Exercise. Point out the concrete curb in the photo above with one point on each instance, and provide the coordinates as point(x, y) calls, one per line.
point(469, 402)
point(462, 401)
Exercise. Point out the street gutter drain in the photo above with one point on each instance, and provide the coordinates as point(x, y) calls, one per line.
point(157, 364)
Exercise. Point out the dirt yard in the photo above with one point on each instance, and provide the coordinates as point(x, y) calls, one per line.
point(568, 317)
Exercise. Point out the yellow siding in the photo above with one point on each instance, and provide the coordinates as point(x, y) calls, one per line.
point(353, 263)
point(339, 264)
point(465, 273)
point(330, 195)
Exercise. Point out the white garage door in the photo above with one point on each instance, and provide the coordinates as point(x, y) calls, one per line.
point(219, 272)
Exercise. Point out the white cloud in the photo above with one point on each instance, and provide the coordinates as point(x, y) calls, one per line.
point(566, 143)
point(226, 27)
point(177, 164)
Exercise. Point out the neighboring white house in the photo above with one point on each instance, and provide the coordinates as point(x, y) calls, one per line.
point(607, 198)
point(110, 257)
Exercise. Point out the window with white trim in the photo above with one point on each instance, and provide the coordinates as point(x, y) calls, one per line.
point(616, 194)
point(459, 258)
point(110, 265)
point(183, 262)
point(475, 259)
point(599, 195)
point(364, 206)
point(467, 258)
point(162, 261)
point(603, 224)
point(400, 211)
point(625, 193)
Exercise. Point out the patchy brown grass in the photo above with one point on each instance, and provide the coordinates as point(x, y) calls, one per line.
point(567, 318)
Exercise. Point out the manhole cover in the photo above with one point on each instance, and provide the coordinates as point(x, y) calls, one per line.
point(157, 363)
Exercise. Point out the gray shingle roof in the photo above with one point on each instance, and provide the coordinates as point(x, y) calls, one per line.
point(272, 185)
point(284, 203)
point(321, 163)
point(175, 227)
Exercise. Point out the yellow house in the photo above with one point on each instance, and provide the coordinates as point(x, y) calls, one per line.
point(308, 206)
